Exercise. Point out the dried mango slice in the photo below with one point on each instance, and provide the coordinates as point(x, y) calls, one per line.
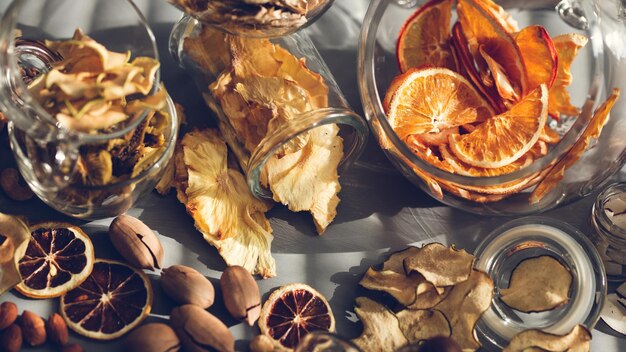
point(420, 325)
point(593, 130)
point(578, 339)
point(428, 262)
point(537, 284)
point(381, 329)
point(464, 305)
point(219, 200)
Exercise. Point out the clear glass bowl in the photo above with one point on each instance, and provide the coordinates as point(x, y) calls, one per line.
point(595, 70)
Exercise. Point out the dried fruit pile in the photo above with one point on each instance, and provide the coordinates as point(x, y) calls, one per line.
point(476, 98)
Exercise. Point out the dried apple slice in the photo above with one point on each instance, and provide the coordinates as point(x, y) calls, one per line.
point(14, 240)
point(578, 339)
point(429, 296)
point(420, 325)
point(540, 56)
point(381, 329)
point(464, 305)
point(504, 18)
point(401, 287)
point(537, 285)
point(593, 130)
point(428, 261)
point(614, 313)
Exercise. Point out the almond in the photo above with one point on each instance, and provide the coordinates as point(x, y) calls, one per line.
point(73, 348)
point(8, 314)
point(33, 329)
point(153, 337)
point(200, 331)
point(11, 340)
point(57, 330)
point(241, 294)
point(186, 285)
point(136, 242)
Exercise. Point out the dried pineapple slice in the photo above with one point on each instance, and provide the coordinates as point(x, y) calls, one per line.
point(224, 210)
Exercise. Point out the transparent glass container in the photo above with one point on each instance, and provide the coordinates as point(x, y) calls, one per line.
point(47, 154)
point(596, 70)
point(252, 158)
point(610, 237)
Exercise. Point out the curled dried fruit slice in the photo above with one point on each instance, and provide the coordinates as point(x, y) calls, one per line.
point(59, 257)
point(593, 130)
point(567, 47)
point(428, 261)
point(540, 56)
point(419, 325)
point(381, 329)
point(113, 300)
point(578, 339)
point(537, 284)
point(433, 100)
point(504, 138)
point(293, 311)
point(465, 305)
point(401, 287)
point(14, 240)
point(424, 37)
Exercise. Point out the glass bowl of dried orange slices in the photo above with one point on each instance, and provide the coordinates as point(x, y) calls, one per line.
point(491, 110)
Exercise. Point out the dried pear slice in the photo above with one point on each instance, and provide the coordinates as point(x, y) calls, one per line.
point(441, 265)
point(578, 339)
point(220, 202)
point(465, 304)
point(14, 239)
point(537, 285)
point(395, 262)
point(419, 325)
point(401, 287)
point(381, 329)
point(429, 296)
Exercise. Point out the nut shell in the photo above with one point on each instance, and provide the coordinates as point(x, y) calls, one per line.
point(8, 314)
point(200, 331)
point(153, 337)
point(241, 294)
point(186, 285)
point(33, 329)
point(136, 242)
point(56, 329)
point(11, 339)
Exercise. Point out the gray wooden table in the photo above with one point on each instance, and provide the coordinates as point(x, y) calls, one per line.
point(380, 211)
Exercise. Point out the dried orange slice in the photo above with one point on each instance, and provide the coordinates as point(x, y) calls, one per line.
point(504, 138)
point(59, 257)
point(483, 29)
point(549, 135)
point(462, 168)
point(293, 311)
point(431, 100)
point(114, 299)
point(567, 47)
point(424, 37)
point(539, 55)
point(506, 21)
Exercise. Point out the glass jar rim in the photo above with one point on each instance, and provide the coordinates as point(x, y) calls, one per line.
point(372, 105)
point(8, 59)
point(615, 232)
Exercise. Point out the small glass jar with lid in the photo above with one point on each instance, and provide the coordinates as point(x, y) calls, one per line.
point(608, 218)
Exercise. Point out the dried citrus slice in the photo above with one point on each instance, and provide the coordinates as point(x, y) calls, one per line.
point(506, 21)
point(431, 100)
point(59, 257)
point(504, 138)
point(424, 37)
point(482, 28)
point(567, 47)
point(539, 55)
point(549, 135)
point(293, 311)
point(114, 299)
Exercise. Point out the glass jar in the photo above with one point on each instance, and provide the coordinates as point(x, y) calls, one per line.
point(48, 154)
point(207, 64)
point(496, 195)
point(610, 236)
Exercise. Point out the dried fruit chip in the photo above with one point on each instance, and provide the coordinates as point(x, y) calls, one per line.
point(381, 329)
point(539, 54)
point(504, 138)
point(113, 300)
point(293, 311)
point(14, 241)
point(221, 204)
point(498, 78)
point(463, 168)
point(549, 135)
point(59, 257)
point(505, 19)
point(424, 37)
point(419, 325)
point(578, 339)
point(412, 109)
point(567, 47)
point(401, 287)
point(429, 296)
point(395, 262)
point(464, 305)
point(537, 284)
point(429, 262)
point(614, 313)
point(593, 130)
